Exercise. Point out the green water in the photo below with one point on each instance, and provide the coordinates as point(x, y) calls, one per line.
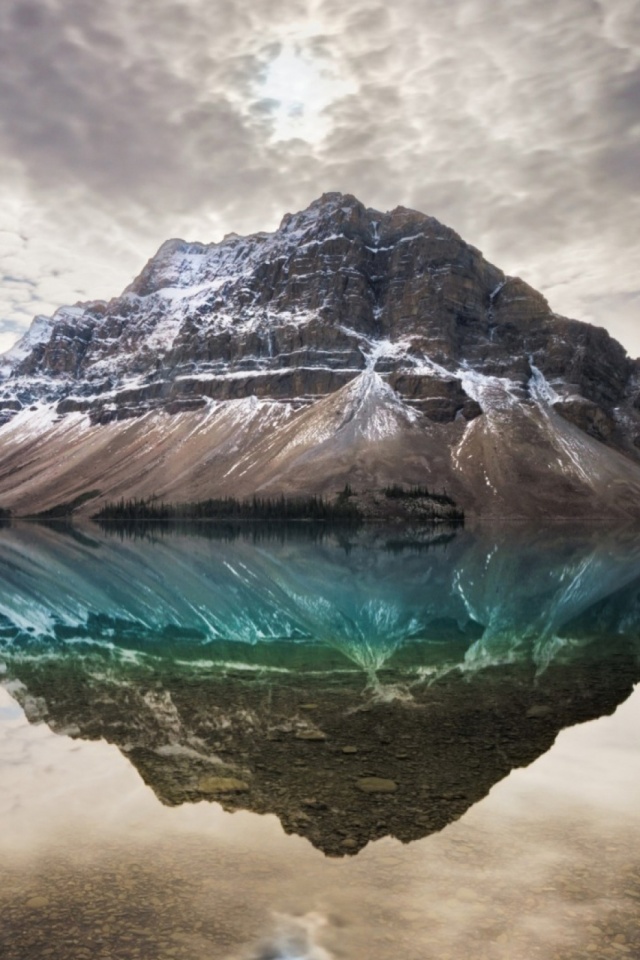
point(297, 742)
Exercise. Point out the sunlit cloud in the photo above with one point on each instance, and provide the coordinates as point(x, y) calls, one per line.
point(296, 89)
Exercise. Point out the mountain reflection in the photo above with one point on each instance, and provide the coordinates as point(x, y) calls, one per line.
point(355, 684)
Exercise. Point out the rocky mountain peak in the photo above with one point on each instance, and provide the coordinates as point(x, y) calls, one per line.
point(338, 293)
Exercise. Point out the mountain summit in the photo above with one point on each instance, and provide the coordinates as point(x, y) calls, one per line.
point(349, 345)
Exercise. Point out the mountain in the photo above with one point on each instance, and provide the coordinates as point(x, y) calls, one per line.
point(348, 345)
point(297, 666)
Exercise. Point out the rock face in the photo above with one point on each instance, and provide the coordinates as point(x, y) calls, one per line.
point(348, 345)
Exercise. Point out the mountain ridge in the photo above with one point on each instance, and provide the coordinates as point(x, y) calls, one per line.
point(349, 345)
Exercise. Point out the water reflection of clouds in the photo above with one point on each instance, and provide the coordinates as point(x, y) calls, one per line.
point(538, 865)
point(294, 938)
point(593, 770)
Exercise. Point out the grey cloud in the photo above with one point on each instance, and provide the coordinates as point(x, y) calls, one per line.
point(515, 122)
point(129, 126)
point(521, 111)
point(13, 326)
point(29, 15)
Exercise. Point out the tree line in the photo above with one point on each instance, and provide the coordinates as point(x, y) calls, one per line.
point(229, 508)
point(397, 492)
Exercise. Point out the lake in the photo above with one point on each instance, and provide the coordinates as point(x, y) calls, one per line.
point(292, 742)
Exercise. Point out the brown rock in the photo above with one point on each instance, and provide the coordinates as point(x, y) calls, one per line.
point(376, 785)
point(222, 785)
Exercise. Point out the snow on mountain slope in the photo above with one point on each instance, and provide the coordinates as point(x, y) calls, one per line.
point(348, 345)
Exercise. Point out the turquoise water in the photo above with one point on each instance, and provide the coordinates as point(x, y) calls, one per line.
point(296, 742)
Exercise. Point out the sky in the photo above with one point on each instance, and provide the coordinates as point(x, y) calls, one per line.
point(126, 122)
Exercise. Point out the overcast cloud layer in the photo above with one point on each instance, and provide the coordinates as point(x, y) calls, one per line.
point(125, 122)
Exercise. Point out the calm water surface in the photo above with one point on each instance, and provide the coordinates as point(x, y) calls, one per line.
point(288, 744)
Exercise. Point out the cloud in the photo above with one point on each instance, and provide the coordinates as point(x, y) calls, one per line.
point(124, 123)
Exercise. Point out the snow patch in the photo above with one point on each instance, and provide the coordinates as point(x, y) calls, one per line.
point(374, 408)
point(369, 409)
point(40, 419)
point(425, 366)
point(540, 388)
point(496, 290)
point(374, 350)
point(494, 394)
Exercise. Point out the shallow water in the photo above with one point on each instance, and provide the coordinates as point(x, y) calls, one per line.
point(190, 722)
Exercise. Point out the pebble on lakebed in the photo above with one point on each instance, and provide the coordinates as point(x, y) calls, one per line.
point(376, 785)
